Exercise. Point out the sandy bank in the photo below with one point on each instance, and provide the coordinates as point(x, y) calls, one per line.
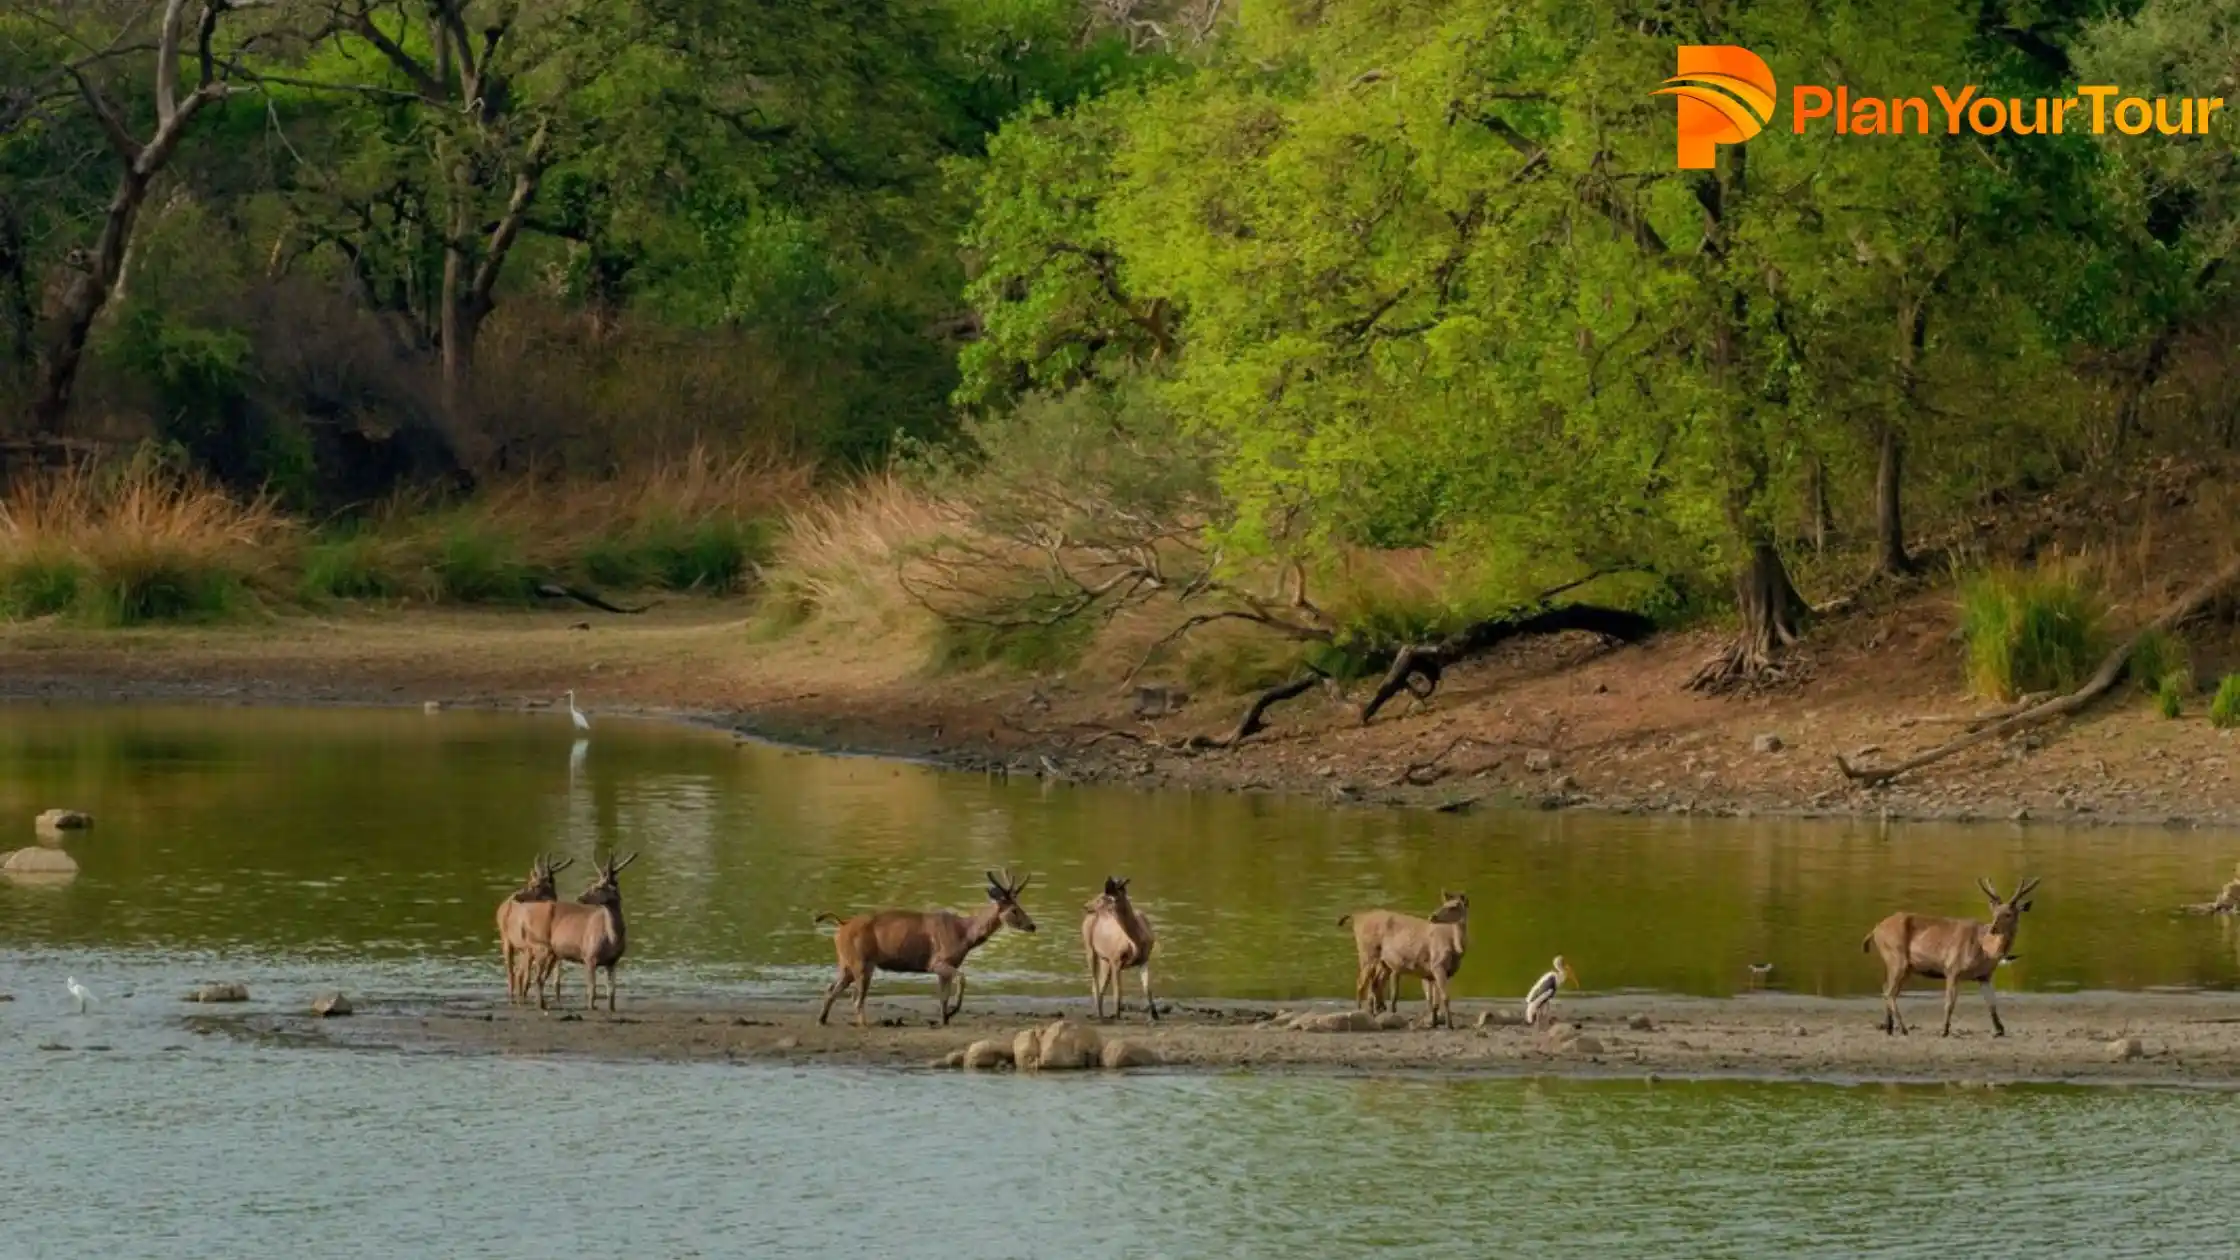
point(2181, 1039)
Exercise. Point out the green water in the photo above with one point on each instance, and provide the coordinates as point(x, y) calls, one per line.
point(386, 838)
point(301, 850)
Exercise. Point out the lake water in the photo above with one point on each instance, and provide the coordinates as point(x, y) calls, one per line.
point(366, 850)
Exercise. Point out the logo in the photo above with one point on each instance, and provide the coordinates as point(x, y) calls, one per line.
point(1725, 94)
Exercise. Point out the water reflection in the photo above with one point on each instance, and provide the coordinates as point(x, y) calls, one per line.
point(389, 836)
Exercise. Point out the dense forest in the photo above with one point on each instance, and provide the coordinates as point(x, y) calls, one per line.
point(1191, 300)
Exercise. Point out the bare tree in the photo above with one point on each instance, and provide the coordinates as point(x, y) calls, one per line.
point(94, 273)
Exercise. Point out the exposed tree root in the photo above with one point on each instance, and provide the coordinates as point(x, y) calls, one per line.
point(2111, 669)
point(1773, 617)
point(1418, 667)
point(1254, 721)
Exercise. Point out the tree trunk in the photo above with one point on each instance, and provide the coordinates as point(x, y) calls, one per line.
point(452, 331)
point(1823, 513)
point(88, 291)
point(1889, 519)
point(1772, 618)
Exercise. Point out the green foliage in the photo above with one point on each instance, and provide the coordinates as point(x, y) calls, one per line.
point(712, 555)
point(353, 564)
point(479, 563)
point(38, 585)
point(2028, 631)
point(155, 584)
point(2170, 693)
point(1026, 635)
point(2156, 656)
point(2224, 707)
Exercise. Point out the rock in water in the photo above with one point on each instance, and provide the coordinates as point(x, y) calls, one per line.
point(64, 820)
point(1121, 1053)
point(1582, 1044)
point(325, 1005)
point(1026, 1049)
point(2125, 1049)
point(1066, 1045)
point(981, 1056)
point(218, 993)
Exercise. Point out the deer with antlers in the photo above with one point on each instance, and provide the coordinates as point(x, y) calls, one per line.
point(915, 942)
point(1946, 949)
point(588, 930)
point(514, 944)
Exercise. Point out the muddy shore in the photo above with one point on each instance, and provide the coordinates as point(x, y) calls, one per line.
point(1552, 725)
point(2086, 1039)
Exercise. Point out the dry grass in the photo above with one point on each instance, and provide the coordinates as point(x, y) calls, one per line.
point(837, 561)
point(131, 543)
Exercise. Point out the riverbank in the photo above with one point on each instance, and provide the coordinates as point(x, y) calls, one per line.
point(2085, 1039)
point(1560, 723)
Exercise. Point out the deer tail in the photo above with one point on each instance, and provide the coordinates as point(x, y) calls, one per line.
point(1866, 943)
point(825, 916)
point(1344, 919)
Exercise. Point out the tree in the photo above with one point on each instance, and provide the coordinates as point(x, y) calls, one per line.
point(94, 273)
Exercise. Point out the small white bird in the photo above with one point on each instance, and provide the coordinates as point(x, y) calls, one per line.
point(1543, 990)
point(82, 994)
point(582, 723)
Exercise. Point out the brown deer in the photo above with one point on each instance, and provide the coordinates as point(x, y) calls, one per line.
point(1116, 936)
point(588, 930)
point(1944, 949)
point(1388, 944)
point(513, 941)
point(914, 942)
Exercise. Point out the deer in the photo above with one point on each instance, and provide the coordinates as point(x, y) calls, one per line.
point(1945, 949)
point(914, 942)
point(588, 930)
point(513, 940)
point(1116, 936)
point(1388, 944)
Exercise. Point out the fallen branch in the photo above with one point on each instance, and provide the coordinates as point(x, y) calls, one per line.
point(1418, 667)
point(1420, 773)
point(2111, 669)
point(554, 590)
point(1255, 718)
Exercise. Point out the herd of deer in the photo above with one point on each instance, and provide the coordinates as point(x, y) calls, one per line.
point(537, 932)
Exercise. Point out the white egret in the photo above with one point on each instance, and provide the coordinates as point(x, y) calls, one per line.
point(82, 994)
point(1759, 972)
point(1543, 990)
point(582, 723)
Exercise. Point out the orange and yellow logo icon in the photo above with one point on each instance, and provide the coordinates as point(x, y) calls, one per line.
point(1725, 94)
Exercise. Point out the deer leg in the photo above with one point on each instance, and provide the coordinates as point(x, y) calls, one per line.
point(1990, 999)
point(513, 981)
point(831, 994)
point(1951, 999)
point(1890, 1016)
point(1119, 988)
point(1096, 982)
point(591, 986)
point(958, 984)
point(1148, 1004)
point(610, 988)
point(863, 992)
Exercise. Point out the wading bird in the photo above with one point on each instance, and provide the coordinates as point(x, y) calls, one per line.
point(1544, 989)
point(582, 723)
point(1759, 972)
point(81, 994)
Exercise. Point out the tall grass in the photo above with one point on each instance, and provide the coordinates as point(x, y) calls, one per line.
point(837, 557)
point(132, 543)
point(2029, 630)
point(2224, 707)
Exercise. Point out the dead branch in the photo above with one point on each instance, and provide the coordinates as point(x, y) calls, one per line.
point(1255, 718)
point(1418, 667)
point(2111, 669)
point(1421, 773)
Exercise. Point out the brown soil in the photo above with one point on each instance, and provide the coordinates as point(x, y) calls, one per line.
point(1559, 723)
point(2181, 1038)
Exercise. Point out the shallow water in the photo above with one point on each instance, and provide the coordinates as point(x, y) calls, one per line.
point(304, 850)
point(372, 847)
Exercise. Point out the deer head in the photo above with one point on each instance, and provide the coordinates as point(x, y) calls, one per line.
point(2004, 912)
point(1004, 892)
point(607, 889)
point(1454, 907)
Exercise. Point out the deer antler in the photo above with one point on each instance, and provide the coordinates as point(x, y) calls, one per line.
point(1985, 885)
point(2024, 891)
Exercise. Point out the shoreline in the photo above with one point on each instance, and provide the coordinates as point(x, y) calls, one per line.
point(2176, 1040)
point(1671, 753)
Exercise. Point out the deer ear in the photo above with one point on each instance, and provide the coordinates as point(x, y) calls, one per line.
point(2024, 906)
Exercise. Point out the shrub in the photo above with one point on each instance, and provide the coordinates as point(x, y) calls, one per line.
point(2156, 656)
point(1029, 636)
point(355, 565)
point(159, 584)
point(2169, 695)
point(477, 564)
point(2224, 708)
point(39, 584)
point(2028, 632)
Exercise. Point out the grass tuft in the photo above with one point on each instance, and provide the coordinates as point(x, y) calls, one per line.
point(2224, 708)
point(2029, 631)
